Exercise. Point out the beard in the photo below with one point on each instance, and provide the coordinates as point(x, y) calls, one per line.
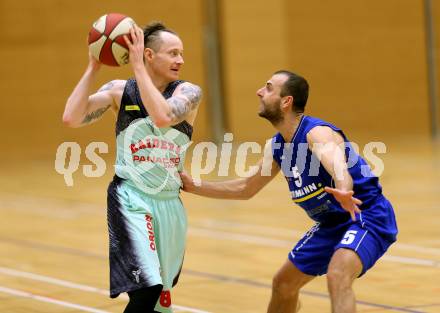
point(273, 115)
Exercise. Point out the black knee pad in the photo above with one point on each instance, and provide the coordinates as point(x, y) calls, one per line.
point(143, 300)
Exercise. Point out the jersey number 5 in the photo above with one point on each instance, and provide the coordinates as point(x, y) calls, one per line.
point(297, 176)
point(349, 237)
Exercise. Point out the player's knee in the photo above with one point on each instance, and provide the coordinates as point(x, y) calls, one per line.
point(341, 274)
point(334, 275)
point(339, 278)
point(284, 288)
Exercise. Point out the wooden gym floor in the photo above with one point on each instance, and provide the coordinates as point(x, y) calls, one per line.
point(53, 243)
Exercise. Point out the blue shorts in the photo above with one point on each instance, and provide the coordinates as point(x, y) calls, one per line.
point(369, 236)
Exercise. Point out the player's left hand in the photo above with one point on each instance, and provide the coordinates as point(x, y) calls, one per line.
point(347, 201)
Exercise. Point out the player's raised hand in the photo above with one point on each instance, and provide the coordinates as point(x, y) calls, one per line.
point(94, 64)
point(135, 45)
point(347, 201)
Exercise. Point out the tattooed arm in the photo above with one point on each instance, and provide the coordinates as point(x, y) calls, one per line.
point(167, 112)
point(184, 101)
point(108, 96)
point(82, 108)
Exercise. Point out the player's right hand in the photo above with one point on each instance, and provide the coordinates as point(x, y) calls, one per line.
point(94, 64)
point(347, 201)
point(187, 181)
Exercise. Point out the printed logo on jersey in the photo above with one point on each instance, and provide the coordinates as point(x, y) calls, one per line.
point(302, 193)
point(307, 192)
point(133, 107)
point(152, 150)
point(320, 209)
point(156, 143)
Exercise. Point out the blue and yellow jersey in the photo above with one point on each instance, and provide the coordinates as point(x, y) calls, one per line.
point(307, 177)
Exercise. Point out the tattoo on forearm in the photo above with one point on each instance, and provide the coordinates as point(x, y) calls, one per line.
point(94, 115)
point(185, 102)
point(107, 86)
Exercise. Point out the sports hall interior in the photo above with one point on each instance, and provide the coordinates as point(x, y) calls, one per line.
point(367, 63)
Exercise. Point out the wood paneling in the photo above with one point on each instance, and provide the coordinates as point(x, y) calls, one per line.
point(44, 53)
point(365, 62)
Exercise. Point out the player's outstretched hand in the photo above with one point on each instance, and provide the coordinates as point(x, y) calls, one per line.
point(347, 201)
point(135, 45)
point(187, 181)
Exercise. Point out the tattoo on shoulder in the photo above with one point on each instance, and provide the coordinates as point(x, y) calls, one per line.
point(185, 102)
point(193, 93)
point(179, 107)
point(95, 115)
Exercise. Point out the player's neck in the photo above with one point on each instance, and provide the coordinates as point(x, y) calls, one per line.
point(289, 125)
point(158, 82)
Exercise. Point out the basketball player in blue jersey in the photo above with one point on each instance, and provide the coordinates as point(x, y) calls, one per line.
point(155, 112)
point(355, 223)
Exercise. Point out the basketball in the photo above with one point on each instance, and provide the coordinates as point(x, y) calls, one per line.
point(106, 41)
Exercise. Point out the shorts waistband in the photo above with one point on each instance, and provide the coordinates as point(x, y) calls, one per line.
point(159, 195)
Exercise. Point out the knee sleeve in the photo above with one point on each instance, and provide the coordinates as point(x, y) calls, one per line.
point(143, 300)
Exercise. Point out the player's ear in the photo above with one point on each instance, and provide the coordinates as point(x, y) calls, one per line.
point(148, 54)
point(286, 101)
